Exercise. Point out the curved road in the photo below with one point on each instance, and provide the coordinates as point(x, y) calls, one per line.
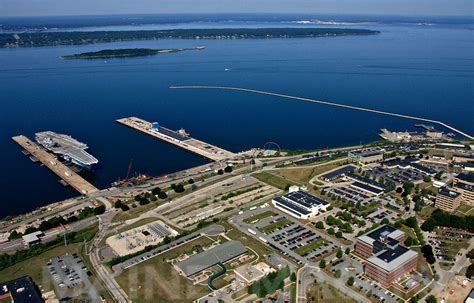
point(325, 103)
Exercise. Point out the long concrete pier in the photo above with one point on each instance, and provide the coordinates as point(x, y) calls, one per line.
point(50, 161)
point(326, 103)
point(201, 148)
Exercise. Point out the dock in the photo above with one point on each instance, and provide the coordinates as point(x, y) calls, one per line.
point(179, 139)
point(52, 162)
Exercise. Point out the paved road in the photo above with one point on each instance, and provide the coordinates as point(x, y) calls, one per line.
point(304, 275)
point(117, 293)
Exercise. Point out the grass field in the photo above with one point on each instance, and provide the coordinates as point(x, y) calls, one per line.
point(313, 245)
point(422, 266)
point(260, 216)
point(137, 224)
point(302, 175)
point(273, 180)
point(273, 226)
point(466, 209)
point(155, 280)
point(325, 293)
point(235, 234)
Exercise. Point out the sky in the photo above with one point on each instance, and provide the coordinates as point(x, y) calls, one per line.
point(369, 7)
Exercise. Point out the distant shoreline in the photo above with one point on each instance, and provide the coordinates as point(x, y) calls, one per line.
point(81, 38)
point(126, 52)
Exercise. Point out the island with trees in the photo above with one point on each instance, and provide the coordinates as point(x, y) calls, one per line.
point(33, 39)
point(126, 52)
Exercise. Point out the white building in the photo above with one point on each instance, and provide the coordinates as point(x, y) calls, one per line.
point(300, 204)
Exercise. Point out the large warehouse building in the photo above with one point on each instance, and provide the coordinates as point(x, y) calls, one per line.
point(386, 260)
point(300, 204)
point(202, 261)
point(366, 156)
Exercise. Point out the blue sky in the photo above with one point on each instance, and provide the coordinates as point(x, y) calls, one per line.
point(378, 7)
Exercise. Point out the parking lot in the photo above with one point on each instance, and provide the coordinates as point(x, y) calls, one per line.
point(71, 277)
point(287, 236)
point(351, 266)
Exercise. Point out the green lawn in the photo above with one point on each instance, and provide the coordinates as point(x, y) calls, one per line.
point(325, 293)
point(260, 216)
point(271, 227)
point(156, 280)
point(273, 180)
point(466, 209)
point(313, 245)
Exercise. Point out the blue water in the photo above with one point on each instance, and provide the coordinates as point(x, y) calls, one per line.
point(424, 71)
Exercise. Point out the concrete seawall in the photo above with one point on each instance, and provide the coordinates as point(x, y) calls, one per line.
point(326, 103)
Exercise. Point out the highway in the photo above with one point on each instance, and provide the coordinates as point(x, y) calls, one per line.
point(326, 103)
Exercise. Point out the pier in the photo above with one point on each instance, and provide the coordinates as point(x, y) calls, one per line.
point(178, 138)
point(326, 103)
point(52, 162)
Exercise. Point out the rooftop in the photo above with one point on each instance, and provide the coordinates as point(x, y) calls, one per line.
point(392, 258)
point(444, 191)
point(211, 257)
point(369, 188)
point(21, 290)
point(33, 237)
point(338, 172)
point(368, 153)
point(466, 177)
point(382, 232)
point(304, 199)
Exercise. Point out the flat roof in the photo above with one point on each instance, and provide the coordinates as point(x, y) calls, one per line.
point(304, 199)
point(34, 236)
point(22, 290)
point(391, 259)
point(368, 153)
point(338, 172)
point(466, 177)
point(290, 206)
point(384, 231)
point(423, 168)
point(464, 186)
point(366, 180)
point(219, 254)
point(444, 191)
point(366, 187)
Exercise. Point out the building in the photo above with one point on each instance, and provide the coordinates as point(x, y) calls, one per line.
point(33, 238)
point(447, 199)
point(249, 273)
point(365, 157)
point(338, 172)
point(300, 204)
point(206, 259)
point(464, 184)
point(21, 290)
point(386, 259)
point(463, 158)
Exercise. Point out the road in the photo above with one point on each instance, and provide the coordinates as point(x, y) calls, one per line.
point(103, 273)
point(304, 275)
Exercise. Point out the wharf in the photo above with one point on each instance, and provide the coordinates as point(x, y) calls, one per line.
point(201, 148)
point(50, 161)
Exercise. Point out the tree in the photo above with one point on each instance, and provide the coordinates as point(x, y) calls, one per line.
point(125, 207)
point(322, 263)
point(162, 195)
point(15, 235)
point(339, 253)
point(350, 281)
point(99, 210)
point(348, 251)
point(220, 172)
point(293, 277)
point(118, 204)
point(385, 221)
point(409, 241)
point(319, 224)
point(331, 231)
point(228, 169)
point(427, 179)
point(427, 251)
point(338, 234)
point(191, 181)
point(431, 299)
point(156, 190)
point(470, 271)
point(179, 188)
point(338, 273)
point(428, 225)
point(411, 222)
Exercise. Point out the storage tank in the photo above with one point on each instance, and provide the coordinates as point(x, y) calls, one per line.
point(155, 125)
